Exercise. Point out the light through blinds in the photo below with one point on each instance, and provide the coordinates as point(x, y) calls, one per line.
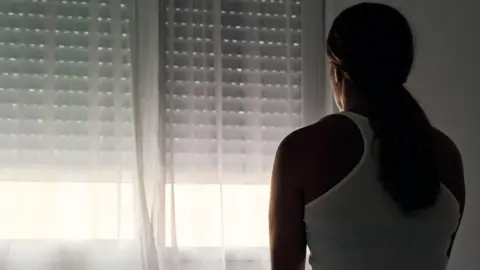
point(234, 88)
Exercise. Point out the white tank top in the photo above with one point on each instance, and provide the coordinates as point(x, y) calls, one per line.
point(357, 226)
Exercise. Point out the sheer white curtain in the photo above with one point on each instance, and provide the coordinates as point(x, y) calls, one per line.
point(67, 160)
point(220, 84)
point(233, 93)
point(139, 134)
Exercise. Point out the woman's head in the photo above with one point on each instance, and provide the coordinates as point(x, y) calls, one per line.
point(370, 47)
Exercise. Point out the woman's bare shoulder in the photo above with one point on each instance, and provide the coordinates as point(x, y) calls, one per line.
point(325, 131)
point(322, 154)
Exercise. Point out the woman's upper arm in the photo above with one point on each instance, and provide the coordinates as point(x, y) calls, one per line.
point(287, 232)
point(452, 174)
point(452, 168)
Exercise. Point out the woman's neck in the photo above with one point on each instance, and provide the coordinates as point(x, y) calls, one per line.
point(357, 104)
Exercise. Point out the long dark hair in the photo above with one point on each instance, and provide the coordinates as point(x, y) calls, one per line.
point(373, 45)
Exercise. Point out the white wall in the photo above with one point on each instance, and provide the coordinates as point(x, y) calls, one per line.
point(446, 80)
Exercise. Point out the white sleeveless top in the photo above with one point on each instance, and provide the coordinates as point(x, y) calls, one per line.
point(357, 226)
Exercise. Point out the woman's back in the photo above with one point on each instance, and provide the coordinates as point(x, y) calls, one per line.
point(383, 192)
point(352, 223)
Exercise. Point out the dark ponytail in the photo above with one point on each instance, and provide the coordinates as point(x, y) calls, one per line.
point(373, 45)
point(404, 143)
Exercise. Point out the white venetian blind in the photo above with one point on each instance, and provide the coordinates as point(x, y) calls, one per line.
point(233, 70)
point(234, 88)
point(66, 131)
point(64, 88)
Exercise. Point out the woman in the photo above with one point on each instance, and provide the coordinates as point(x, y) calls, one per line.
point(374, 186)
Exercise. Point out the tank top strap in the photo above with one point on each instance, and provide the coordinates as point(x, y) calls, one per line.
point(362, 123)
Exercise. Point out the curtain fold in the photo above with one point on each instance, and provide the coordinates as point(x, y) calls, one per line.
point(146, 104)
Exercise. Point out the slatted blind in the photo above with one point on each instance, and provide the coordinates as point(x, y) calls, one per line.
point(65, 90)
point(234, 86)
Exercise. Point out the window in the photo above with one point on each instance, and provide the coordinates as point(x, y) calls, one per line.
point(234, 92)
point(66, 132)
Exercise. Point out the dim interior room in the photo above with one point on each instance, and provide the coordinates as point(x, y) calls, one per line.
point(140, 134)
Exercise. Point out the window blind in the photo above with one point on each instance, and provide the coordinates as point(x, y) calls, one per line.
point(65, 90)
point(234, 86)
